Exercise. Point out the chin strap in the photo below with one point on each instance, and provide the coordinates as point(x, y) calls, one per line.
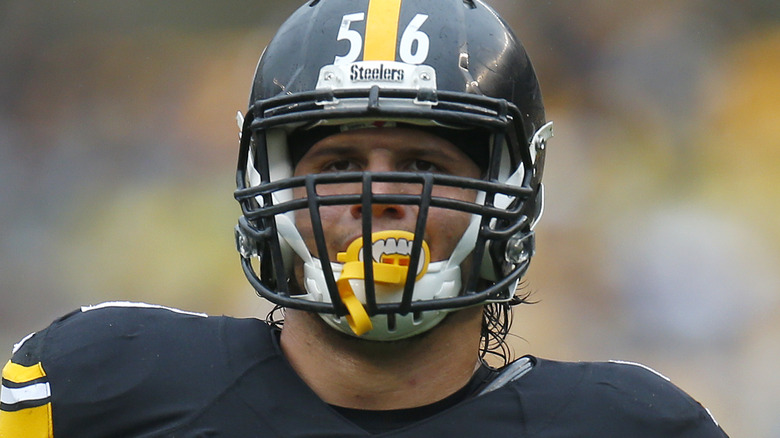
point(391, 252)
point(357, 317)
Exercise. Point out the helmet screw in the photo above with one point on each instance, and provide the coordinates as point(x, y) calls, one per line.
point(520, 247)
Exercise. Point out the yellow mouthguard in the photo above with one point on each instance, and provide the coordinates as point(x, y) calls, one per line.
point(391, 269)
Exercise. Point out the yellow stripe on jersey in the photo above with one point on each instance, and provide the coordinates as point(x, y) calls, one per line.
point(27, 423)
point(381, 30)
point(21, 374)
point(16, 419)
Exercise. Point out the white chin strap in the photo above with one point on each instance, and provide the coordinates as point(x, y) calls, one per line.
point(442, 279)
point(439, 282)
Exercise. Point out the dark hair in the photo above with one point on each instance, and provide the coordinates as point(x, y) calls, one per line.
point(496, 324)
point(275, 318)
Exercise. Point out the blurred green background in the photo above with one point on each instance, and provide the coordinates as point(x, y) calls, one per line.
point(660, 241)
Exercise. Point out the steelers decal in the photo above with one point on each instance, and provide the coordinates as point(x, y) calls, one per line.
point(380, 42)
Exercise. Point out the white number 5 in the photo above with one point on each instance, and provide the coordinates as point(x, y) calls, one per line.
point(353, 36)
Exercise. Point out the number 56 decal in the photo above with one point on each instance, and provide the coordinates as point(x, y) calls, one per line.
point(380, 41)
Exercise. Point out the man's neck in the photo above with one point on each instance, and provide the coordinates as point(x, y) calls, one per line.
point(354, 373)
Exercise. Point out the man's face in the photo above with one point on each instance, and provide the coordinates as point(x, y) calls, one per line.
point(386, 150)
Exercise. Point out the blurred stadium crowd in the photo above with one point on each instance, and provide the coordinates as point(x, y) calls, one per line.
point(660, 241)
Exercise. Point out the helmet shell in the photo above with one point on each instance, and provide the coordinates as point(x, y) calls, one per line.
point(470, 47)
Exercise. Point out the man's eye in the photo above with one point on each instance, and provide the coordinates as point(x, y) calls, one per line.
point(423, 166)
point(339, 166)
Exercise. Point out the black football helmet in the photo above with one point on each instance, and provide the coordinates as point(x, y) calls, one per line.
point(450, 66)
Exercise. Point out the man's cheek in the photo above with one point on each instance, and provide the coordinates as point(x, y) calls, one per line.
point(330, 218)
point(444, 230)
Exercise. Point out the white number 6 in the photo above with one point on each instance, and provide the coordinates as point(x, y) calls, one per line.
point(353, 36)
point(412, 34)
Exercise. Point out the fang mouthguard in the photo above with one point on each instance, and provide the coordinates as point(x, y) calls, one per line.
point(391, 252)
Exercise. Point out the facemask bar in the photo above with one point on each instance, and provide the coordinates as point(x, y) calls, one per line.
point(257, 230)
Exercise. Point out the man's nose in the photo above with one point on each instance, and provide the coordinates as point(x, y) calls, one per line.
point(387, 210)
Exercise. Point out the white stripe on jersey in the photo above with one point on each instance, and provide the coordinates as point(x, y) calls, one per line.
point(623, 362)
point(19, 344)
point(38, 391)
point(139, 305)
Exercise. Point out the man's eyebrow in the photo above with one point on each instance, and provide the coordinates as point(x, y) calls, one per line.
point(439, 152)
point(410, 149)
point(331, 150)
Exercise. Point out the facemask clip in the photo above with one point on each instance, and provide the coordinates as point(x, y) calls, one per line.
point(520, 247)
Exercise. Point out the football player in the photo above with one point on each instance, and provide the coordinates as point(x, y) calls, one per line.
point(389, 176)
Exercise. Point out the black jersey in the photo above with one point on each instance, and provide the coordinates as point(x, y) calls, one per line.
point(121, 370)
